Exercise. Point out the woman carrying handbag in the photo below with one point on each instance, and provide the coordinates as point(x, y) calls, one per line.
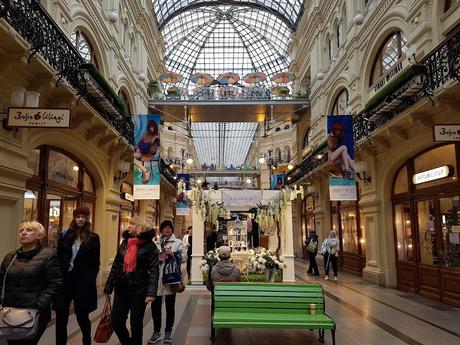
point(134, 277)
point(30, 278)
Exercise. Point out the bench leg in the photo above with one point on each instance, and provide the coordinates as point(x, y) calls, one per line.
point(321, 335)
point(213, 334)
point(333, 336)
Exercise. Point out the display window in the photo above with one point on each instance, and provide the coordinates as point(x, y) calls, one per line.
point(426, 211)
point(60, 184)
point(308, 219)
point(128, 208)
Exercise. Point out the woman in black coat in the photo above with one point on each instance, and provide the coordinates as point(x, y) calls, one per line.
point(79, 256)
point(33, 279)
point(134, 276)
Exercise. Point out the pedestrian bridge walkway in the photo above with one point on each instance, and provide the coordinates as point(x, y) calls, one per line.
point(364, 313)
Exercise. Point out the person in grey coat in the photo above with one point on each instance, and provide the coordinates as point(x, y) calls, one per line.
point(224, 270)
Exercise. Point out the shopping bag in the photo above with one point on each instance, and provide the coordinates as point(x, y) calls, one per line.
point(104, 329)
point(171, 269)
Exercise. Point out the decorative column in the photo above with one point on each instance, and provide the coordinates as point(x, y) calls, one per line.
point(197, 245)
point(287, 238)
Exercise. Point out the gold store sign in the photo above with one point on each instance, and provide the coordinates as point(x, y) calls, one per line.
point(38, 118)
point(431, 175)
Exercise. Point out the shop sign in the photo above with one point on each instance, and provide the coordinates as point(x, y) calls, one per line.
point(128, 197)
point(246, 198)
point(431, 175)
point(444, 133)
point(38, 118)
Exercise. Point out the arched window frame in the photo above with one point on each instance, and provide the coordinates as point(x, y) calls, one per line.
point(380, 67)
point(81, 41)
point(126, 101)
point(339, 109)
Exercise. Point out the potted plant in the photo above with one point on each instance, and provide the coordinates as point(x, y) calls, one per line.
point(153, 89)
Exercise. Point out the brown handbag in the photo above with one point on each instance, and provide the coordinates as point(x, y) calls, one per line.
point(104, 329)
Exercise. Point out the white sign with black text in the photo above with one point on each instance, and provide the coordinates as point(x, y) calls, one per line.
point(38, 117)
point(446, 132)
point(431, 175)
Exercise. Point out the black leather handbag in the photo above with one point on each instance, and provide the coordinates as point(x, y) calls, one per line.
point(16, 323)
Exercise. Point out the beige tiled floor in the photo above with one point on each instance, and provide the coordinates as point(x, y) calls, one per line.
point(364, 313)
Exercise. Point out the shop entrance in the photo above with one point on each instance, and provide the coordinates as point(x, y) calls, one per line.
point(426, 202)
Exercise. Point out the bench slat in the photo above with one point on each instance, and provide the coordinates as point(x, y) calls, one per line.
point(266, 293)
point(261, 305)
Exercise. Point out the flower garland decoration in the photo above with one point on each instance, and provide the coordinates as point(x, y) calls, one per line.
point(209, 212)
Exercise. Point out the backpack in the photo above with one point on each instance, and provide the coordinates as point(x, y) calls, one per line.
point(312, 246)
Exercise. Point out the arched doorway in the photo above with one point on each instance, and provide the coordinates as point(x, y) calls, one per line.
point(59, 184)
point(426, 212)
point(308, 220)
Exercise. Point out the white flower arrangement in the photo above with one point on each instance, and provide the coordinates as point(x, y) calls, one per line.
point(264, 259)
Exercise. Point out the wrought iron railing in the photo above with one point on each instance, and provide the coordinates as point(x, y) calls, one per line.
point(167, 172)
point(35, 25)
point(233, 93)
point(442, 64)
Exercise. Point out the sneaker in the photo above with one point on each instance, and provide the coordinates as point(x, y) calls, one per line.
point(168, 338)
point(326, 278)
point(155, 338)
point(335, 277)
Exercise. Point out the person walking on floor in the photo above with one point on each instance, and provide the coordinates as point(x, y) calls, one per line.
point(168, 246)
point(330, 250)
point(312, 249)
point(187, 240)
point(134, 277)
point(78, 251)
point(32, 277)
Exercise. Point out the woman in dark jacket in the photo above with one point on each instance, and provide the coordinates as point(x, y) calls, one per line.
point(33, 278)
point(134, 276)
point(312, 249)
point(79, 256)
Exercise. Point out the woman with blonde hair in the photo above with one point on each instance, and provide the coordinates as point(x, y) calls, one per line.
point(134, 277)
point(32, 277)
point(79, 257)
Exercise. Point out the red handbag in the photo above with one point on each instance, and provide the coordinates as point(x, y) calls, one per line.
point(104, 329)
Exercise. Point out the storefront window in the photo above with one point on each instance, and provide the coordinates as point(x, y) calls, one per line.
point(427, 232)
point(362, 240)
point(30, 206)
point(88, 183)
point(401, 183)
point(310, 206)
point(349, 230)
point(404, 245)
point(62, 169)
point(450, 226)
point(435, 158)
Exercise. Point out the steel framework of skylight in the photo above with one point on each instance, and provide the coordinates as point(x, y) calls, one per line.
point(227, 36)
point(223, 144)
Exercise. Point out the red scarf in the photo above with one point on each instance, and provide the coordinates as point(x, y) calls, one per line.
point(130, 260)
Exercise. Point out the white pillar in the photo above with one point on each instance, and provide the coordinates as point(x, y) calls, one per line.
point(197, 246)
point(287, 242)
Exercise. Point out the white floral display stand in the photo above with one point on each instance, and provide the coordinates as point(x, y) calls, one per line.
point(284, 198)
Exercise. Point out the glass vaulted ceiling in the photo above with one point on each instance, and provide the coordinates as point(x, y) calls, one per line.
point(227, 36)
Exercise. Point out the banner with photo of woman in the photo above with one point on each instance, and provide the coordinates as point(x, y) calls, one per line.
point(341, 158)
point(146, 157)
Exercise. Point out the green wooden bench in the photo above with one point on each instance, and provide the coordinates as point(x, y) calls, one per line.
point(258, 305)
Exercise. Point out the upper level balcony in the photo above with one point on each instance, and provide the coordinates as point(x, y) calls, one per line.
point(231, 103)
point(46, 40)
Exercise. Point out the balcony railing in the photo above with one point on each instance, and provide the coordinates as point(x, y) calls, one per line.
point(442, 64)
point(167, 172)
point(234, 93)
point(36, 26)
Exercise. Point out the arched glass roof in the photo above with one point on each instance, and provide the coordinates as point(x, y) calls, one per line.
point(227, 36)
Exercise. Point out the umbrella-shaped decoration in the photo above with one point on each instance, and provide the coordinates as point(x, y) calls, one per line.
point(282, 91)
point(201, 78)
point(228, 78)
point(283, 77)
point(171, 78)
point(255, 77)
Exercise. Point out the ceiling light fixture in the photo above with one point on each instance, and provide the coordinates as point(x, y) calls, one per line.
point(75, 168)
point(290, 167)
point(262, 160)
point(189, 161)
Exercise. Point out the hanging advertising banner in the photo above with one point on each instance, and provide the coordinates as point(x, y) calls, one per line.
point(186, 179)
point(38, 118)
point(146, 157)
point(182, 198)
point(341, 158)
point(277, 181)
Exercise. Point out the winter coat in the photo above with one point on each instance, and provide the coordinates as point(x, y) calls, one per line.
point(80, 283)
point(144, 279)
point(223, 271)
point(175, 245)
point(330, 245)
point(312, 237)
point(33, 279)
